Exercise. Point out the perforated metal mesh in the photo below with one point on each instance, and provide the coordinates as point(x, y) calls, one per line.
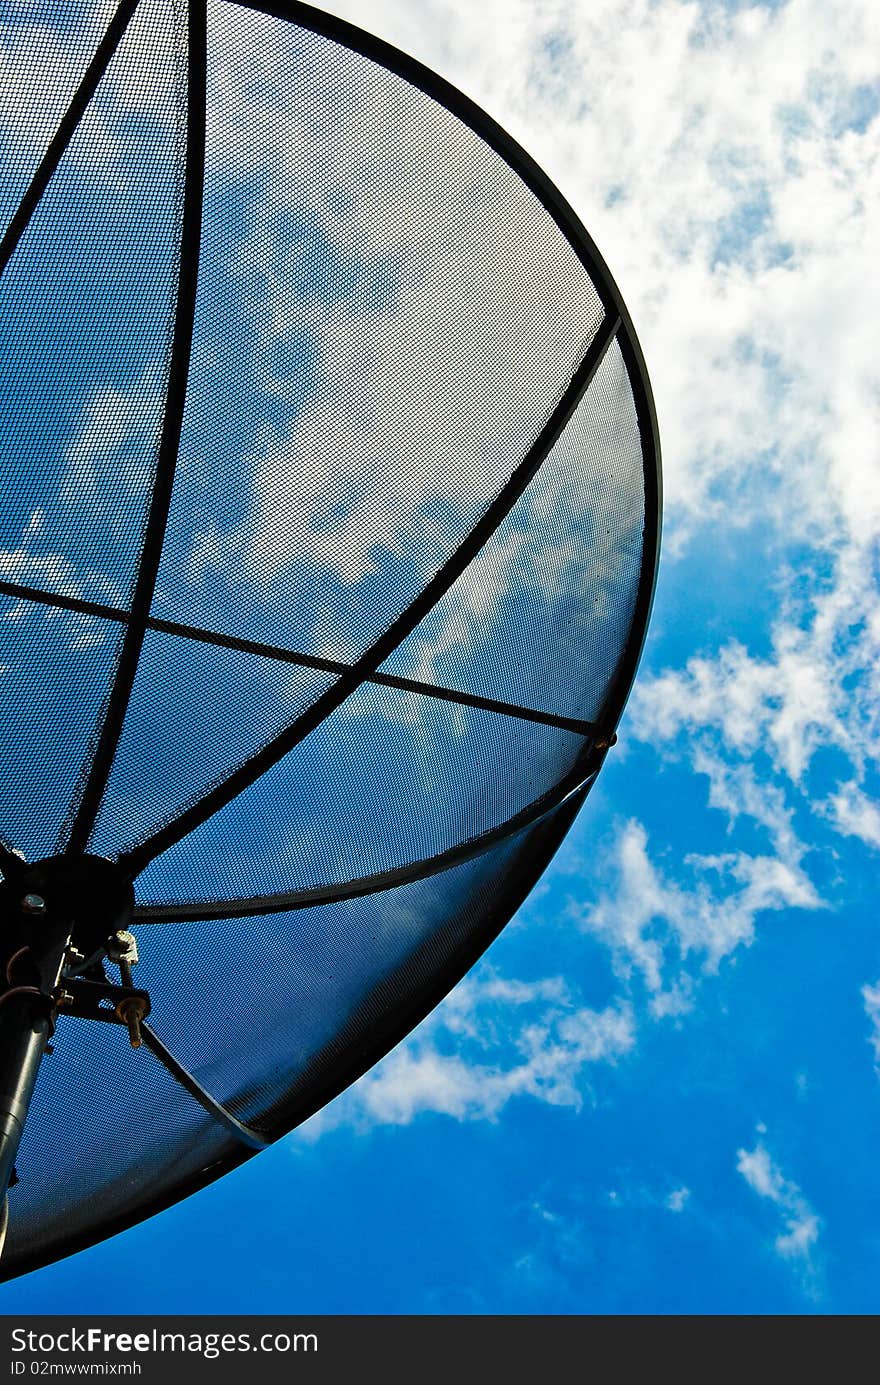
point(85, 318)
point(56, 668)
point(378, 333)
point(196, 711)
point(401, 590)
point(431, 773)
point(560, 575)
point(43, 58)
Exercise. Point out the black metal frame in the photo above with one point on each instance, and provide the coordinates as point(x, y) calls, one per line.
point(50, 911)
point(546, 821)
point(61, 917)
point(102, 1002)
point(135, 860)
point(58, 600)
point(27, 1021)
point(575, 784)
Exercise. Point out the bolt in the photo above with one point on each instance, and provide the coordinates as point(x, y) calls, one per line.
point(33, 904)
point(63, 999)
point(73, 956)
point(131, 1012)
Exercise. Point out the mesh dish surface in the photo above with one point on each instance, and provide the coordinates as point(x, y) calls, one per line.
point(334, 700)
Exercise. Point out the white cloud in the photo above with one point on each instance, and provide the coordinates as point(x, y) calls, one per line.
point(736, 790)
point(871, 998)
point(111, 456)
point(677, 1199)
point(727, 164)
point(855, 814)
point(491, 1040)
point(52, 571)
point(818, 687)
point(757, 726)
point(653, 923)
point(801, 1226)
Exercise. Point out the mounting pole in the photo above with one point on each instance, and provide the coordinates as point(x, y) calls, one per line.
point(32, 969)
point(55, 917)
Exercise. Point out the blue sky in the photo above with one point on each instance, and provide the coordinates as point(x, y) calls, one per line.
point(658, 1091)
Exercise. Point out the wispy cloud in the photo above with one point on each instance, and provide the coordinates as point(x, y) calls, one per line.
point(491, 1041)
point(801, 1226)
point(654, 921)
point(871, 998)
point(817, 687)
point(677, 1199)
point(727, 161)
point(855, 814)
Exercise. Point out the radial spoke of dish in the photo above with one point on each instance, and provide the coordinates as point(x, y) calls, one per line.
point(578, 725)
point(63, 135)
point(95, 780)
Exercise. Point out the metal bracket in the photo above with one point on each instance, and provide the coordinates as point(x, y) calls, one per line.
point(68, 918)
point(100, 1000)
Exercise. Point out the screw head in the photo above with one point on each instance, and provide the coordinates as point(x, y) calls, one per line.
point(34, 904)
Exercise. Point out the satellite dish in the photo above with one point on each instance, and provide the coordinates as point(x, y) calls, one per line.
point(330, 523)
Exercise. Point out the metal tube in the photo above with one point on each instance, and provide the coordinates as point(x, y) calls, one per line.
point(24, 1033)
